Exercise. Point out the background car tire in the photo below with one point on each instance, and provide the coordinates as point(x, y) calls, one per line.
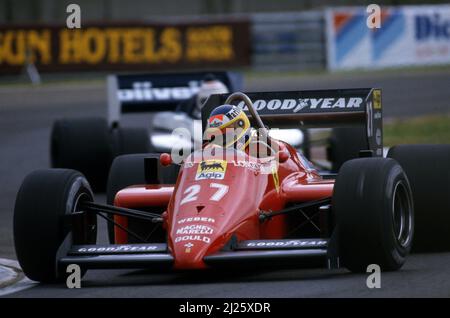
point(306, 144)
point(130, 141)
point(345, 144)
point(370, 197)
point(129, 170)
point(44, 199)
point(428, 171)
point(82, 144)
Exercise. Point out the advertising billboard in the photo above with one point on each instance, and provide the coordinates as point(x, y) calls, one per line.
point(408, 35)
point(126, 46)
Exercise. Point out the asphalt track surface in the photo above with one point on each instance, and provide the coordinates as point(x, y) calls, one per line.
point(26, 115)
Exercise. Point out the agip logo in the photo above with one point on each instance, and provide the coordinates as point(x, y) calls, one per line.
point(377, 99)
point(211, 169)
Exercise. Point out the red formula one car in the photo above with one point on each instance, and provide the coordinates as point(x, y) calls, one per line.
point(232, 210)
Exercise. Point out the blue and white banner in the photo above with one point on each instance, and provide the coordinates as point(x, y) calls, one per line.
point(409, 35)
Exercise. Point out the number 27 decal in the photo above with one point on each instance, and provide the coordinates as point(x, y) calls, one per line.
point(191, 193)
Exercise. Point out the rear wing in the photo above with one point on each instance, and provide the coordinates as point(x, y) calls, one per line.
point(316, 108)
point(158, 91)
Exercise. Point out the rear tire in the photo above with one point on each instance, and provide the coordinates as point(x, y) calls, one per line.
point(44, 199)
point(374, 213)
point(427, 168)
point(129, 170)
point(125, 170)
point(82, 144)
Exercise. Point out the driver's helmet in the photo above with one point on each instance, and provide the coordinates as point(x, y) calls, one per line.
point(210, 85)
point(228, 126)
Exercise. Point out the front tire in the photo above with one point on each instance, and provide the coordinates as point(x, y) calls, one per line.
point(43, 202)
point(374, 213)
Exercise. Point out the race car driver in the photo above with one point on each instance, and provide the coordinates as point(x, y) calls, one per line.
point(193, 106)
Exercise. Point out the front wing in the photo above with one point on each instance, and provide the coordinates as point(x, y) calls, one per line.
point(157, 255)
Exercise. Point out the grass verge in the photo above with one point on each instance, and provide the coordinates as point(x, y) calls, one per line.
point(421, 130)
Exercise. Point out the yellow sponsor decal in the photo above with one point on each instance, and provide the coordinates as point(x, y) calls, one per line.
point(377, 99)
point(188, 247)
point(276, 179)
point(211, 169)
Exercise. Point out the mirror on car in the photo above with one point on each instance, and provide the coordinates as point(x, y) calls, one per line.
point(165, 159)
point(283, 156)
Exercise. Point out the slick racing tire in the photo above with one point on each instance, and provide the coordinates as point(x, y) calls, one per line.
point(427, 168)
point(345, 144)
point(130, 141)
point(82, 144)
point(129, 170)
point(43, 202)
point(373, 205)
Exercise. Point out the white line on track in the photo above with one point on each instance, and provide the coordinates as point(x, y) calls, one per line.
point(12, 278)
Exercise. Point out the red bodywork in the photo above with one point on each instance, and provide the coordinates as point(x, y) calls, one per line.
point(202, 215)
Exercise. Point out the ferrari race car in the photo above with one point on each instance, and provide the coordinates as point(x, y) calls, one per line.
point(234, 208)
